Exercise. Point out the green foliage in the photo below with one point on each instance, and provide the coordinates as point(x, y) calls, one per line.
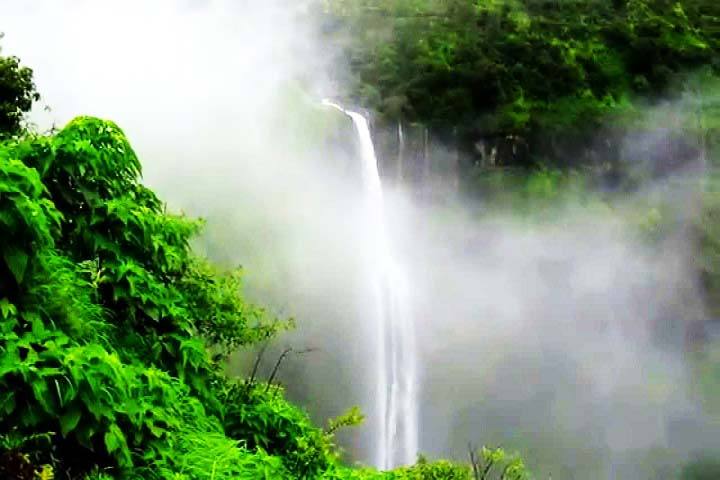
point(261, 416)
point(17, 94)
point(497, 464)
point(107, 320)
point(548, 72)
point(535, 195)
point(31, 218)
point(351, 418)
point(213, 456)
point(425, 470)
point(705, 468)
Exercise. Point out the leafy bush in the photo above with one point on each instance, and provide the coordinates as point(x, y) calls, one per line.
point(107, 318)
point(259, 415)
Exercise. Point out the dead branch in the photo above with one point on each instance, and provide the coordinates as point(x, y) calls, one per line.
point(256, 366)
point(280, 360)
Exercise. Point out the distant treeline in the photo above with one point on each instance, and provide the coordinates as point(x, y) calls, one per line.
point(539, 80)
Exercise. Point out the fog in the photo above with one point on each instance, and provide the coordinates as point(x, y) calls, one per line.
point(563, 339)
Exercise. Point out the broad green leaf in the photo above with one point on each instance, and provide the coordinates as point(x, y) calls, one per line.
point(7, 309)
point(114, 439)
point(70, 420)
point(17, 262)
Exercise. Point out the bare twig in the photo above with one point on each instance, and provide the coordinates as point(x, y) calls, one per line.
point(280, 359)
point(487, 469)
point(474, 462)
point(256, 365)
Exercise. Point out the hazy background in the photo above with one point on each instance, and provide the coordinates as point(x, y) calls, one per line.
point(562, 339)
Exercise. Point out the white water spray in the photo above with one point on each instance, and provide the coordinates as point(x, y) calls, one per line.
point(396, 368)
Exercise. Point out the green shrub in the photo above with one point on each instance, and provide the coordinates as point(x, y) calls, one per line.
point(260, 415)
point(106, 316)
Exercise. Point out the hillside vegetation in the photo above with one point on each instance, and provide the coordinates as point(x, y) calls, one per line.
point(536, 78)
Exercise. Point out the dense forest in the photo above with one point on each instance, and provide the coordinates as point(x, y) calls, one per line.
point(115, 334)
point(539, 75)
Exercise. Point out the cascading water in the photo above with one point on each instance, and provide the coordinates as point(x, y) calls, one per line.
point(397, 391)
point(401, 152)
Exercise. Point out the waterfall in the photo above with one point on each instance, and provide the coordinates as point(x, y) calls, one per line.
point(396, 366)
point(401, 152)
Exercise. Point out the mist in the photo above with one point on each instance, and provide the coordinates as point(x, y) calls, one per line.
point(562, 339)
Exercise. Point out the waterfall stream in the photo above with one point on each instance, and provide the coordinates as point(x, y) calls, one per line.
point(396, 355)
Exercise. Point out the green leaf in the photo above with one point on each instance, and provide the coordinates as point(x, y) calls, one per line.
point(70, 420)
point(17, 262)
point(114, 439)
point(7, 309)
point(115, 443)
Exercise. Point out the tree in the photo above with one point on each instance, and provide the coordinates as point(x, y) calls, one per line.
point(17, 94)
